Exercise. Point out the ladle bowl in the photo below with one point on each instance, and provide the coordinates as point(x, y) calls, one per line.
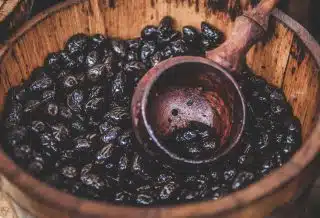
point(184, 89)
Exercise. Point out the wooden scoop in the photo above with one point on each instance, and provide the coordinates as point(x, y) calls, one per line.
point(185, 89)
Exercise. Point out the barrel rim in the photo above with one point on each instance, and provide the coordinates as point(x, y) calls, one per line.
point(8, 6)
point(263, 188)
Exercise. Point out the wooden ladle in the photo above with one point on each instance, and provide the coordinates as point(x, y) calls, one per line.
point(185, 89)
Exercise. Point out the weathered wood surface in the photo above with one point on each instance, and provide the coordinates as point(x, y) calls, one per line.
point(288, 58)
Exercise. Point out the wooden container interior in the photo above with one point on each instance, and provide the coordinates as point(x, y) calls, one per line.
point(288, 57)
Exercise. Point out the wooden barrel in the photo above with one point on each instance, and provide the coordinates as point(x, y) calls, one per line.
point(289, 58)
point(12, 14)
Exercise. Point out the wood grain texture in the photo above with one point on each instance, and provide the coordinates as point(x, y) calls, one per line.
point(289, 47)
point(274, 55)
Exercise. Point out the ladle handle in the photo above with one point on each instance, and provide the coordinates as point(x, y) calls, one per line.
point(248, 29)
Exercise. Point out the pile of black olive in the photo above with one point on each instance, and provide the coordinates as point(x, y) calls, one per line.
point(197, 141)
point(69, 124)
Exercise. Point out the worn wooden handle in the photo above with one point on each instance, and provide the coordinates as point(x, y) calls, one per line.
point(248, 29)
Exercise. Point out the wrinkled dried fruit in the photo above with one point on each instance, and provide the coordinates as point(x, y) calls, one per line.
point(190, 34)
point(69, 172)
point(119, 47)
point(75, 100)
point(118, 87)
point(77, 43)
point(212, 34)
point(149, 33)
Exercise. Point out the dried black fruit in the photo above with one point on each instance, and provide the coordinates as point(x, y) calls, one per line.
point(13, 114)
point(109, 60)
point(96, 73)
point(293, 125)
point(263, 140)
point(97, 41)
point(195, 141)
point(38, 126)
point(69, 81)
point(277, 94)
point(219, 191)
point(123, 196)
point(267, 166)
point(105, 126)
point(69, 172)
point(96, 92)
point(75, 100)
point(242, 180)
point(81, 143)
point(212, 34)
point(135, 66)
point(190, 34)
point(31, 106)
point(22, 152)
point(36, 166)
point(124, 162)
point(166, 25)
point(42, 83)
point(67, 61)
point(280, 108)
point(165, 38)
point(78, 127)
point(52, 109)
point(179, 47)
point(48, 95)
point(138, 168)
point(105, 153)
point(119, 47)
point(80, 60)
point(118, 87)
point(132, 56)
point(134, 44)
point(134, 71)
point(17, 93)
point(47, 139)
point(189, 195)
point(54, 60)
point(16, 136)
point(125, 140)
point(118, 115)
point(167, 52)
point(110, 135)
point(206, 44)
point(77, 43)
point(229, 175)
point(147, 50)
point(168, 191)
point(92, 58)
point(60, 132)
point(144, 199)
point(94, 106)
point(150, 32)
point(93, 181)
point(165, 177)
point(65, 112)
